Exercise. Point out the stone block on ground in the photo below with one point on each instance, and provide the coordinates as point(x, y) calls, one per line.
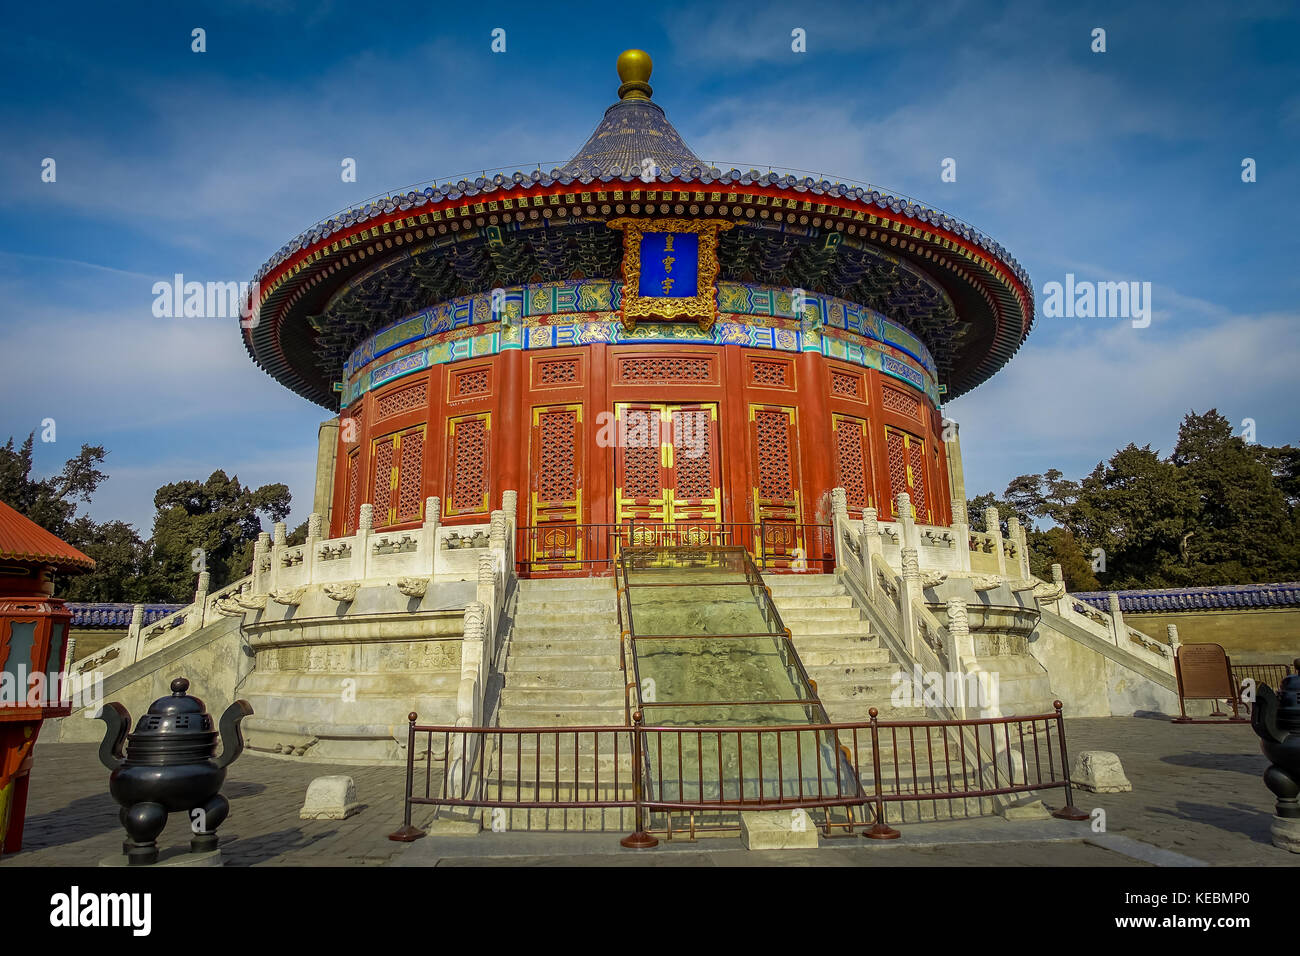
point(1099, 771)
point(1030, 808)
point(778, 830)
point(330, 798)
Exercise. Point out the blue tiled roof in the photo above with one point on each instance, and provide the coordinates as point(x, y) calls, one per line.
point(1223, 597)
point(116, 615)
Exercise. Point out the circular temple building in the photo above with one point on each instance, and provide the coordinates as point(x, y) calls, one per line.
point(643, 345)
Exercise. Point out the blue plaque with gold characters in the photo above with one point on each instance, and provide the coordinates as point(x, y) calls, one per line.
point(670, 265)
point(670, 270)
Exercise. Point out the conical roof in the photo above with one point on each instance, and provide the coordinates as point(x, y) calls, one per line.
point(23, 540)
point(634, 135)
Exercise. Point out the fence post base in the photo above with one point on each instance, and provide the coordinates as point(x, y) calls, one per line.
point(640, 840)
point(406, 834)
point(881, 831)
point(1071, 812)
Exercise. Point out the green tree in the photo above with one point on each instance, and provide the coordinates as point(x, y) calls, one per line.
point(1244, 529)
point(50, 502)
point(217, 521)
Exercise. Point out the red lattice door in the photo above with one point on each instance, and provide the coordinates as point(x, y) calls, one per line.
point(667, 481)
point(694, 490)
point(776, 491)
point(398, 477)
point(853, 462)
point(906, 457)
point(468, 478)
point(556, 496)
point(642, 488)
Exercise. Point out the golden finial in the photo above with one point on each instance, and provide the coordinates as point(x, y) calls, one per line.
point(634, 68)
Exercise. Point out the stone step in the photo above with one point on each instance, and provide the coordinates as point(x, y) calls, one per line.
point(813, 601)
point(561, 698)
point(519, 715)
point(596, 646)
point(532, 587)
point(578, 607)
point(563, 661)
point(833, 688)
point(593, 678)
point(579, 629)
point(852, 656)
point(826, 625)
point(799, 580)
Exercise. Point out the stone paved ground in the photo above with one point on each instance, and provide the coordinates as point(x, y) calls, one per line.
point(1197, 791)
point(72, 820)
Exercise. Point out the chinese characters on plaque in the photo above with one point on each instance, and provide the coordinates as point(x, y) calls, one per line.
point(670, 265)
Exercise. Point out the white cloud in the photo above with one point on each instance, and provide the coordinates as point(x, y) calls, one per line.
point(1073, 401)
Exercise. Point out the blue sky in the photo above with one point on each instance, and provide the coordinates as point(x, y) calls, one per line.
point(1123, 165)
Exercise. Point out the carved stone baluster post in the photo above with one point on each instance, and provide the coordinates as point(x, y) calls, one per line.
point(1116, 618)
point(487, 587)
point(871, 547)
point(961, 531)
point(993, 525)
point(1058, 579)
point(201, 598)
point(840, 525)
point(472, 677)
point(510, 505)
point(907, 534)
point(1175, 642)
point(310, 549)
point(499, 541)
point(279, 537)
point(961, 653)
point(361, 548)
point(908, 594)
point(1016, 532)
point(261, 578)
point(135, 641)
point(429, 540)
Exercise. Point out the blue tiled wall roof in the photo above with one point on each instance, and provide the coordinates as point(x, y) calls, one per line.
point(116, 615)
point(1223, 597)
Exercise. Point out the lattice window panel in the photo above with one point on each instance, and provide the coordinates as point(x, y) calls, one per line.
point(846, 385)
point(668, 368)
point(563, 372)
point(400, 401)
point(410, 480)
point(916, 461)
point(382, 481)
point(692, 454)
point(557, 478)
point(467, 466)
point(474, 381)
point(774, 471)
point(896, 454)
point(641, 454)
point(900, 402)
point(775, 374)
point(352, 516)
point(851, 460)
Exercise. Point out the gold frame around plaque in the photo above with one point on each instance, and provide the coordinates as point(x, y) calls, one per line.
point(702, 307)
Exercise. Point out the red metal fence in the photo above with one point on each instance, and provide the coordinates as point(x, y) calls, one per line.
point(572, 548)
point(848, 773)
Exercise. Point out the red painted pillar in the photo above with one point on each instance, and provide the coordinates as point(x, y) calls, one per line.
point(815, 438)
point(513, 432)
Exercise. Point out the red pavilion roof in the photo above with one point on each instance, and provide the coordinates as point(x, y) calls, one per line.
point(22, 539)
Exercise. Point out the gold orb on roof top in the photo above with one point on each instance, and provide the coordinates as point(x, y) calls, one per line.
point(634, 68)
